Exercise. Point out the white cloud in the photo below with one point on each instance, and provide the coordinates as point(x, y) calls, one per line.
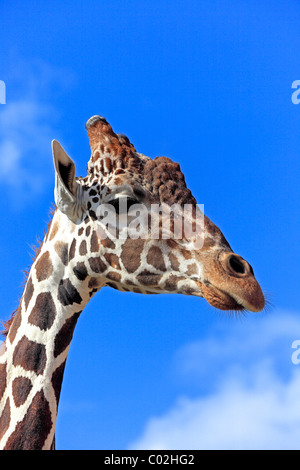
point(25, 143)
point(253, 401)
point(27, 126)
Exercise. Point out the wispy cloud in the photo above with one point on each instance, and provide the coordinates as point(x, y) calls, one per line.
point(252, 400)
point(27, 123)
point(25, 138)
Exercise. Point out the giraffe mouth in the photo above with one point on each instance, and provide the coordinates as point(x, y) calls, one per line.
point(234, 303)
point(222, 300)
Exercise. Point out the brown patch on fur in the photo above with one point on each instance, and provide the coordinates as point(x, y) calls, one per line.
point(13, 324)
point(192, 269)
point(112, 260)
point(65, 335)
point(44, 312)
point(172, 282)
point(186, 254)
point(97, 265)
point(32, 432)
point(80, 271)
point(21, 387)
point(146, 278)
point(54, 230)
point(44, 267)
point(120, 171)
point(156, 259)
point(67, 293)
point(131, 254)
point(5, 419)
point(175, 265)
point(2, 379)
point(93, 282)
point(28, 292)
point(57, 378)
point(107, 243)
point(72, 249)
point(113, 276)
point(30, 355)
point(94, 242)
point(83, 248)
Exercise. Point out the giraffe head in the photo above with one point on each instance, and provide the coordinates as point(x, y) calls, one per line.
point(143, 193)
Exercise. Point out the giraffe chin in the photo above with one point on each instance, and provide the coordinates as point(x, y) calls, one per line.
point(224, 301)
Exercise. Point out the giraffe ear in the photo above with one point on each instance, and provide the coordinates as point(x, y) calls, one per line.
point(65, 192)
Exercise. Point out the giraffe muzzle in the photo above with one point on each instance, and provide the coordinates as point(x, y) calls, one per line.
point(241, 283)
point(232, 285)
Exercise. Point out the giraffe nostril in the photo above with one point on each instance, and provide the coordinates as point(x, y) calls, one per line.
point(237, 265)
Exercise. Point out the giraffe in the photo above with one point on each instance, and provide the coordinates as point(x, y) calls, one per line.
point(76, 259)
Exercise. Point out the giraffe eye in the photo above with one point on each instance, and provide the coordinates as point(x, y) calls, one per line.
point(123, 204)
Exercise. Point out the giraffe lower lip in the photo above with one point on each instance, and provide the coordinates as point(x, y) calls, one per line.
point(232, 304)
point(238, 306)
point(220, 299)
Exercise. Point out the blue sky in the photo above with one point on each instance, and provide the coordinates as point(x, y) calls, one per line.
point(209, 85)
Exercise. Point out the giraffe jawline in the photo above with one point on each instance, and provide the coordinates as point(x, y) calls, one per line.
point(237, 306)
point(232, 304)
point(221, 299)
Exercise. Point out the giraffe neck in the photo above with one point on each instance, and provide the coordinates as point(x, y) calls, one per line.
point(33, 357)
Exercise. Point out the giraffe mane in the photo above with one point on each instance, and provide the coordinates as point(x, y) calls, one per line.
point(36, 250)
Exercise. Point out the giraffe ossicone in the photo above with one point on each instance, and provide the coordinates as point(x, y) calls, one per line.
point(83, 252)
